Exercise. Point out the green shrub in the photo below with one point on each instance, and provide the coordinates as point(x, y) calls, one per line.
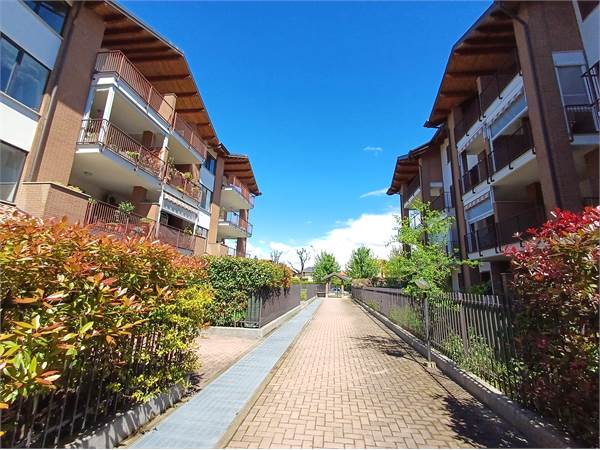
point(373, 305)
point(556, 282)
point(233, 280)
point(70, 299)
point(407, 318)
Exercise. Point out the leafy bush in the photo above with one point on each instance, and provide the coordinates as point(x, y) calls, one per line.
point(325, 264)
point(408, 319)
point(556, 282)
point(71, 299)
point(235, 279)
point(373, 305)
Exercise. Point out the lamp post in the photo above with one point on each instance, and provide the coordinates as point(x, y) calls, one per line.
point(424, 285)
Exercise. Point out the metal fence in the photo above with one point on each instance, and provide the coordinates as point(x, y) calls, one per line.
point(266, 305)
point(475, 331)
point(86, 396)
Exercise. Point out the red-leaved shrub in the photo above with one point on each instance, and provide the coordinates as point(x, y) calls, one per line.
point(556, 282)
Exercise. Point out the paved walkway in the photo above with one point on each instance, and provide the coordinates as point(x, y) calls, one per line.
point(204, 420)
point(348, 382)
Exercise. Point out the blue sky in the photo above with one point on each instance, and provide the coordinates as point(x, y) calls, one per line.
point(323, 97)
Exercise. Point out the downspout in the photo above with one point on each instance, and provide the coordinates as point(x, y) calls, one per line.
point(538, 98)
point(58, 66)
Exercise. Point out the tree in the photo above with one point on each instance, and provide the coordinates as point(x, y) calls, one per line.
point(424, 256)
point(362, 264)
point(325, 263)
point(303, 255)
point(276, 255)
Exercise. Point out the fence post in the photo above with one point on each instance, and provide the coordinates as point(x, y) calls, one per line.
point(463, 323)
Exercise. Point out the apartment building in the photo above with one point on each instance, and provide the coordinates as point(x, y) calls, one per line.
point(102, 122)
point(518, 104)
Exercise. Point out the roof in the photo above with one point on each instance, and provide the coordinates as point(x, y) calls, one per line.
point(487, 46)
point(339, 275)
point(240, 167)
point(161, 62)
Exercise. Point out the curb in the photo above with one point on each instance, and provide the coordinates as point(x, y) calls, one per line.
point(235, 424)
point(532, 426)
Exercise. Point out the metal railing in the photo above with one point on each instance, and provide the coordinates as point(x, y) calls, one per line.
point(104, 133)
point(582, 119)
point(591, 78)
point(103, 218)
point(114, 61)
point(236, 220)
point(475, 175)
point(176, 237)
point(475, 331)
point(183, 183)
point(508, 147)
point(494, 85)
point(471, 113)
point(236, 184)
point(441, 202)
point(266, 305)
point(85, 396)
point(482, 239)
point(185, 130)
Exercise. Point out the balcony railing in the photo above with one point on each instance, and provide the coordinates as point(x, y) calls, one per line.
point(114, 61)
point(441, 202)
point(235, 183)
point(106, 134)
point(582, 119)
point(507, 148)
point(108, 219)
point(477, 174)
point(176, 237)
point(504, 231)
point(591, 201)
point(592, 80)
point(235, 220)
point(183, 183)
point(413, 186)
point(188, 134)
point(493, 86)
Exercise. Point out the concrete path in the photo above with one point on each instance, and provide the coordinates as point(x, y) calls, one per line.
point(348, 382)
point(202, 421)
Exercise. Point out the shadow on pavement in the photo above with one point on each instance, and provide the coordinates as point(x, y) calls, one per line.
point(478, 426)
point(386, 345)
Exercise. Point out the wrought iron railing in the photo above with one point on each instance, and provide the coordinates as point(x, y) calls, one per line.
point(188, 134)
point(116, 62)
point(236, 184)
point(582, 119)
point(103, 218)
point(236, 220)
point(508, 147)
point(493, 85)
point(181, 239)
point(107, 135)
point(591, 201)
point(183, 183)
point(475, 175)
point(591, 77)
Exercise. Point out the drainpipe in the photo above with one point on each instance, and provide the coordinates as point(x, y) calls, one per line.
point(58, 67)
point(538, 98)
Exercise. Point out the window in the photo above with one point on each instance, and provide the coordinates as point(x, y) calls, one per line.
point(53, 13)
point(11, 166)
point(210, 164)
point(22, 77)
point(205, 198)
point(202, 232)
point(572, 85)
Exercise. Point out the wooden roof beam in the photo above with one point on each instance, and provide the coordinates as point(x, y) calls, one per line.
point(485, 50)
point(115, 18)
point(131, 40)
point(189, 110)
point(174, 77)
point(456, 94)
point(495, 27)
point(161, 57)
point(124, 30)
point(469, 73)
point(489, 40)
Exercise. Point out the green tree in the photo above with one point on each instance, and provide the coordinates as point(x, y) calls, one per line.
point(424, 255)
point(362, 264)
point(325, 263)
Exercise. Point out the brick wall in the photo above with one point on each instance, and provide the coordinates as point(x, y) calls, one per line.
point(48, 200)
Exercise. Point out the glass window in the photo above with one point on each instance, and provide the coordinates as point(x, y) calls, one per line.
point(517, 107)
point(11, 166)
point(23, 78)
point(53, 13)
point(210, 164)
point(205, 198)
point(572, 85)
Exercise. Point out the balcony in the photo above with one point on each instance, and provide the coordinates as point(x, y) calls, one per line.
point(475, 175)
point(184, 241)
point(102, 218)
point(442, 202)
point(508, 147)
point(235, 195)
point(413, 187)
point(183, 183)
point(504, 231)
point(493, 85)
point(104, 134)
point(115, 63)
point(592, 80)
point(232, 226)
point(582, 119)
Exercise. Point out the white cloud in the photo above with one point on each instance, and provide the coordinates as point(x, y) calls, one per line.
point(377, 193)
point(373, 149)
point(371, 230)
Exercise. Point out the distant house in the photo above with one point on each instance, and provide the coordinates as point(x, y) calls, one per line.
point(307, 274)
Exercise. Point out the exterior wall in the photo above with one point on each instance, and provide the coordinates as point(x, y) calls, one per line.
point(590, 32)
point(215, 209)
point(200, 248)
point(430, 171)
point(556, 165)
point(52, 200)
point(72, 85)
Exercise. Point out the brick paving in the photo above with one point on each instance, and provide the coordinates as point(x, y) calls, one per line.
point(348, 382)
